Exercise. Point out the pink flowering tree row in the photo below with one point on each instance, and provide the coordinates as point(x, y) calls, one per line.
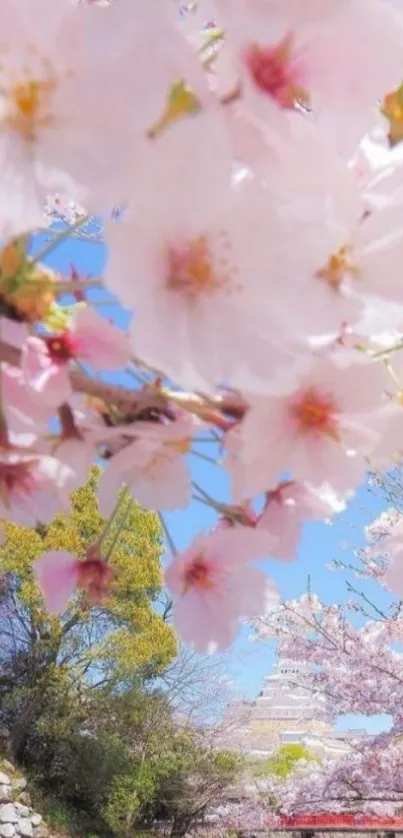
point(255, 260)
point(358, 665)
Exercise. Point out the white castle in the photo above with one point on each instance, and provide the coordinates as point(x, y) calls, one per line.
point(285, 712)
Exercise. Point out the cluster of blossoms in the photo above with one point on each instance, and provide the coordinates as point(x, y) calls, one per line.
point(255, 146)
point(323, 636)
point(368, 782)
point(359, 669)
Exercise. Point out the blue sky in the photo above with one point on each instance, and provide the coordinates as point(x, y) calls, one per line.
point(248, 662)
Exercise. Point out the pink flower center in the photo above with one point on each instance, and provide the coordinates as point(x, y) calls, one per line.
point(62, 348)
point(193, 270)
point(199, 575)
point(94, 576)
point(15, 477)
point(274, 72)
point(315, 413)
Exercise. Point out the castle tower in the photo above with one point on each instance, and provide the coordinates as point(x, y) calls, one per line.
point(286, 710)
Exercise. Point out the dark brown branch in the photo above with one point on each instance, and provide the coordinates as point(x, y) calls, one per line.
point(123, 398)
point(150, 398)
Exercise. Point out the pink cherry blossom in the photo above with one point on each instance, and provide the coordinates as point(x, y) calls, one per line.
point(388, 422)
point(321, 430)
point(214, 586)
point(90, 338)
point(99, 342)
point(389, 545)
point(33, 488)
point(66, 125)
point(62, 208)
point(287, 507)
point(59, 574)
point(23, 409)
point(376, 245)
point(152, 464)
point(33, 392)
point(210, 309)
point(287, 60)
point(184, 269)
point(44, 371)
point(76, 447)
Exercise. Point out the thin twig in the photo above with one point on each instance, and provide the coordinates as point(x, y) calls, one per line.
point(63, 235)
point(205, 457)
point(119, 529)
point(113, 516)
point(168, 536)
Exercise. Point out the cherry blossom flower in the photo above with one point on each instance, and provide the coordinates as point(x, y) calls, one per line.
point(203, 315)
point(376, 246)
point(90, 338)
point(186, 273)
point(287, 507)
point(388, 422)
point(22, 407)
point(56, 134)
point(44, 370)
point(321, 430)
point(214, 586)
point(36, 389)
point(391, 547)
point(77, 445)
point(152, 464)
point(59, 574)
point(61, 208)
point(32, 488)
point(287, 60)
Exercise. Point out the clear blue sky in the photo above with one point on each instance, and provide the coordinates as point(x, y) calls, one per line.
point(250, 662)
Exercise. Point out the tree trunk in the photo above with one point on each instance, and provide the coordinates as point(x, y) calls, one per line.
point(21, 727)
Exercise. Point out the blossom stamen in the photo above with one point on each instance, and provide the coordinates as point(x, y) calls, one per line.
point(339, 266)
point(193, 271)
point(29, 97)
point(392, 109)
point(61, 347)
point(315, 413)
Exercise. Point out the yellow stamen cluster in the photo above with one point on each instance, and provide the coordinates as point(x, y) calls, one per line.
point(392, 109)
point(339, 266)
point(28, 93)
point(195, 271)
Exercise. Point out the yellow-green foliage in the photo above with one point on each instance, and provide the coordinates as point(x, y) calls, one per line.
point(124, 634)
point(283, 762)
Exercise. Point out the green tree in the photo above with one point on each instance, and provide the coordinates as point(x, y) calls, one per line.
point(283, 762)
point(179, 777)
point(47, 662)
